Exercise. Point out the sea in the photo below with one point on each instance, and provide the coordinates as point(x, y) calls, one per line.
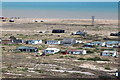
point(61, 10)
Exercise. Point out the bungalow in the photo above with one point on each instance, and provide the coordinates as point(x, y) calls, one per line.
point(27, 49)
point(92, 44)
point(77, 51)
point(109, 53)
point(88, 45)
point(112, 44)
point(51, 50)
point(18, 41)
point(64, 52)
point(53, 42)
point(6, 41)
point(78, 41)
point(68, 41)
point(79, 33)
point(98, 43)
point(33, 42)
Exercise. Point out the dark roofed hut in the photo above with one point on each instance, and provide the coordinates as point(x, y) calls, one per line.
point(58, 31)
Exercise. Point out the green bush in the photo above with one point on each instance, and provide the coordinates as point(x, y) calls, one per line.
point(93, 59)
point(23, 69)
point(39, 71)
point(40, 48)
point(107, 68)
point(104, 77)
point(96, 59)
point(61, 56)
point(72, 56)
point(81, 59)
point(89, 51)
point(58, 52)
point(57, 68)
point(49, 54)
point(79, 48)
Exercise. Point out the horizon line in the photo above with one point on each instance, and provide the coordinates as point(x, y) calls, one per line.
point(60, 1)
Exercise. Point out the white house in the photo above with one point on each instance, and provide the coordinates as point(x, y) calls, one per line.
point(79, 41)
point(77, 51)
point(34, 42)
point(53, 42)
point(51, 50)
point(109, 53)
point(112, 44)
point(98, 43)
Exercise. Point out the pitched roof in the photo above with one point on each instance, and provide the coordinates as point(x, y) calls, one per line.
point(25, 47)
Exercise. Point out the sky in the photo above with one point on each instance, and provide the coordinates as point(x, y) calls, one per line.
point(60, 0)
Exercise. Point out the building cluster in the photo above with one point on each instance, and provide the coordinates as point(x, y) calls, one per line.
point(65, 42)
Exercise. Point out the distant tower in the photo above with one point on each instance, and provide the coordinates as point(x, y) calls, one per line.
point(93, 20)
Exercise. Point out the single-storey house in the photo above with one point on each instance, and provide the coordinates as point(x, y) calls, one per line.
point(79, 41)
point(76, 51)
point(58, 31)
point(109, 53)
point(6, 41)
point(51, 50)
point(92, 44)
point(79, 33)
point(68, 41)
point(112, 44)
point(18, 41)
point(33, 42)
point(98, 43)
point(53, 42)
point(88, 45)
point(27, 49)
point(64, 52)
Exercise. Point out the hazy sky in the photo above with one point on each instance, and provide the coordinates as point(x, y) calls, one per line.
point(60, 0)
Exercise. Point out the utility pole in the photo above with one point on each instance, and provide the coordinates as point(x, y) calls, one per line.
point(93, 20)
